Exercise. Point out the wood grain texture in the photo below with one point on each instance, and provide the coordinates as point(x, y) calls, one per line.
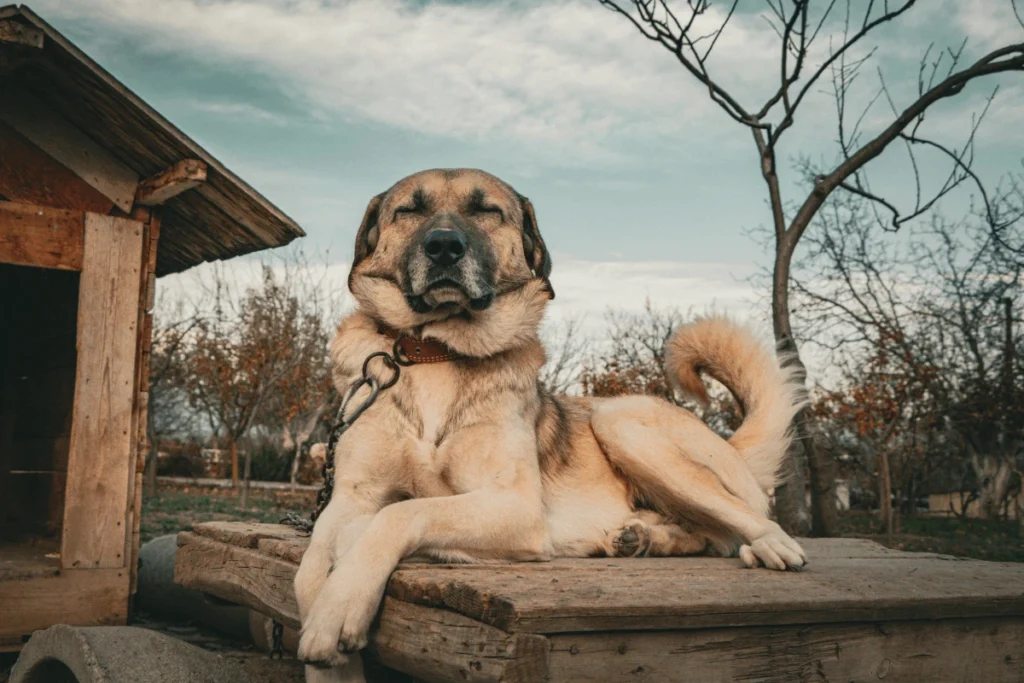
point(427, 643)
point(869, 613)
point(438, 645)
point(586, 595)
point(964, 650)
point(41, 237)
point(18, 33)
point(69, 145)
point(93, 597)
point(140, 409)
point(169, 183)
point(101, 460)
point(31, 176)
point(848, 580)
point(239, 574)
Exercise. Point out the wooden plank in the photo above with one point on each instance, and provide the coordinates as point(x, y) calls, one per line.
point(856, 581)
point(238, 574)
point(987, 650)
point(31, 176)
point(80, 597)
point(141, 398)
point(171, 182)
point(437, 645)
point(248, 534)
point(703, 593)
point(460, 649)
point(68, 145)
point(101, 453)
point(608, 594)
point(18, 33)
point(42, 237)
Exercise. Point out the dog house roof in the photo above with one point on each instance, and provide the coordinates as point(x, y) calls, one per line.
point(221, 218)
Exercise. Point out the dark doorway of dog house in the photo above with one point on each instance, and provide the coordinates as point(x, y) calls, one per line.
point(39, 311)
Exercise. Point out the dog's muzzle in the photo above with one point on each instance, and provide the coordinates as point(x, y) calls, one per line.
point(449, 266)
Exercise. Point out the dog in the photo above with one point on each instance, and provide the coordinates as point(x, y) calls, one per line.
point(470, 459)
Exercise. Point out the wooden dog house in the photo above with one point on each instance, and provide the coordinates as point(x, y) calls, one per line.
point(99, 196)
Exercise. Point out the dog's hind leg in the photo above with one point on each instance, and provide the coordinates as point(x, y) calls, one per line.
point(687, 469)
point(648, 535)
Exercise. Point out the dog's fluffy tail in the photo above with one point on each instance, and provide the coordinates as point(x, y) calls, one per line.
point(768, 395)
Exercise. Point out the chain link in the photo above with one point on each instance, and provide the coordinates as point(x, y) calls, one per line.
point(277, 641)
point(392, 361)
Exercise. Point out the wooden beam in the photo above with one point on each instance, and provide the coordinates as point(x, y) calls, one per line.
point(31, 176)
point(460, 648)
point(171, 182)
point(16, 33)
point(67, 144)
point(221, 569)
point(80, 597)
point(41, 237)
point(101, 459)
point(897, 651)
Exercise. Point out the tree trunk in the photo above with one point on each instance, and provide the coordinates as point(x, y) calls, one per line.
point(790, 502)
point(244, 502)
point(885, 493)
point(149, 476)
point(993, 475)
point(1019, 505)
point(234, 464)
point(295, 465)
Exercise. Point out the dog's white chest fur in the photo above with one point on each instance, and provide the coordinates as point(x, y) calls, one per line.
point(433, 398)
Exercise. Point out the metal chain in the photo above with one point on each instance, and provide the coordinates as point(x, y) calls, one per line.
point(392, 361)
point(277, 641)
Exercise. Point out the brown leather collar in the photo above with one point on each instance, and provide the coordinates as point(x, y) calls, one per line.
point(414, 351)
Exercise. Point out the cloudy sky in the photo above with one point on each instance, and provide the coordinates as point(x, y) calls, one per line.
point(642, 187)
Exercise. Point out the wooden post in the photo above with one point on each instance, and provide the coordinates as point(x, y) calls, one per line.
point(101, 458)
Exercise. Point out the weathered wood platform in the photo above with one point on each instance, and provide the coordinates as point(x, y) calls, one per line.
point(858, 612)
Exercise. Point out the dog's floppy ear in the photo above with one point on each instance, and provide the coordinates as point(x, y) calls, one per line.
point(368, 234)
point(537, 256)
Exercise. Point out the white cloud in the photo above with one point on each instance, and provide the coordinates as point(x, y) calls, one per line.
point(570, 79)
point(237, 110)
point(565, 76)
point(989, 24)
point(591, 288)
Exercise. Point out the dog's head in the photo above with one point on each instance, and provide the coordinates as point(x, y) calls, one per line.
point(455, 254)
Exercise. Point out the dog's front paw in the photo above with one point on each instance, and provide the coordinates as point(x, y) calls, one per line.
point(774, 550)
point(320, 648)
point(339, 622)
point(327, 638)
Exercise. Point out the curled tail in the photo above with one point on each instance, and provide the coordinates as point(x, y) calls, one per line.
point(769, 396)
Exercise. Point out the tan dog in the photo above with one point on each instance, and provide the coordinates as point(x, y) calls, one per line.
point(472, 460)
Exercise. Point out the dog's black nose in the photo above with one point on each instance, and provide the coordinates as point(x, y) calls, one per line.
point(444, 247)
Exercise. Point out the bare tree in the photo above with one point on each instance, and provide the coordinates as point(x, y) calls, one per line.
point(259, 348)
point(566, 345)
point(799, 29)
point(169, 411)
point(921, 336)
